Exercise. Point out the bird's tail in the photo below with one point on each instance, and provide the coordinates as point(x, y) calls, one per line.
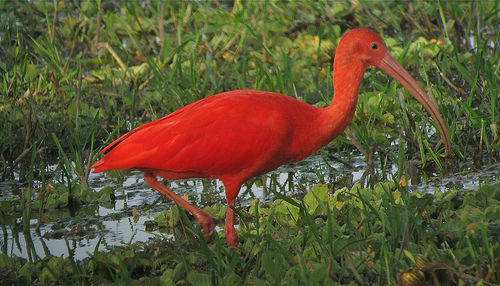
point(98, 166)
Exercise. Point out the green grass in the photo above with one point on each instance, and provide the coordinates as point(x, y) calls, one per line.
point(73, 77)
point(379, 235)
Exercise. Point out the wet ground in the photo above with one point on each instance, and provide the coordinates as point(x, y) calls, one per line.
point(123, 220)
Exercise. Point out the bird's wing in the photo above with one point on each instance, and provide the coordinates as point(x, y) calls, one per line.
point(229, 132)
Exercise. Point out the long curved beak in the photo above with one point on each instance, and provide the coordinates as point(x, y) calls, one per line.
point(394, 69)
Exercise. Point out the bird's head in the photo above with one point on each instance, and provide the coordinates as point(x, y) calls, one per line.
point(365, 47)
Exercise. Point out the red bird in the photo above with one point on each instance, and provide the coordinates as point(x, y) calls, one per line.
point(236, 135)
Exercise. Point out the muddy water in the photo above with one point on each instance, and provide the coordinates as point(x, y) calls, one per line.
point(114, 223)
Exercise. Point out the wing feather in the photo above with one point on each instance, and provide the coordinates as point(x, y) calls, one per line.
point(225, 133)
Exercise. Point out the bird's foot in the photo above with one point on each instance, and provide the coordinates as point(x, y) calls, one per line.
point(207, 225)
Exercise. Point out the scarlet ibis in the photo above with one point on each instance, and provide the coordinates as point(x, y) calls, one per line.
point(236, 135)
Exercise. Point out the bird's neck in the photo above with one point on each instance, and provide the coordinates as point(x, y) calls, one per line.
point(347, 76)
point(320, 126)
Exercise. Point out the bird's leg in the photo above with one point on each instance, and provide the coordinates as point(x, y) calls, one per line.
point(231, 236)
point(204, 220)
point(232, 190)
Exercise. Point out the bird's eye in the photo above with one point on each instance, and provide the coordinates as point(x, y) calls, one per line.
point(374, 46)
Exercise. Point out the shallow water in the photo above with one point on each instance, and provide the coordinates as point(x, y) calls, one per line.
point(114, 222)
